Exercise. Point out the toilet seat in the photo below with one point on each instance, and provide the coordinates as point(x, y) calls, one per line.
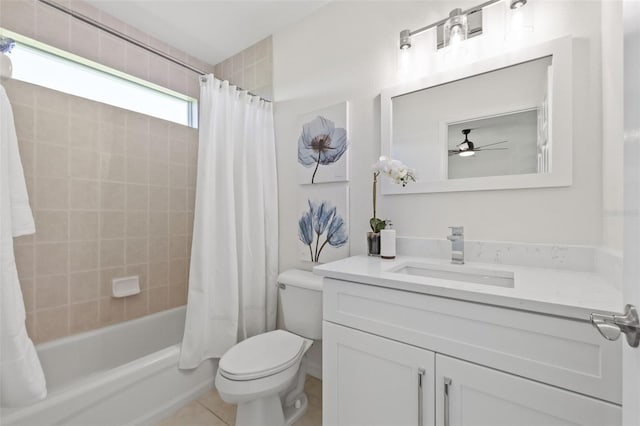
point(262, 356)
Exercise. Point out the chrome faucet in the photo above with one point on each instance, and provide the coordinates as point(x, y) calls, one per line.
point(457, 244)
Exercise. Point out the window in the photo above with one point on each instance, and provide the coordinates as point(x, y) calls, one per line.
point(42, 65)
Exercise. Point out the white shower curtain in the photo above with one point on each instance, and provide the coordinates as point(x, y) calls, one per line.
point(234, 256)
point(21, 378)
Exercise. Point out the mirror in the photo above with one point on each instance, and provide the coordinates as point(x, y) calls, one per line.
point(498, 124)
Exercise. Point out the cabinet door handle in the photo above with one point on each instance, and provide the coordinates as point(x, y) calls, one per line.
point(421, 373)
point(447, 386)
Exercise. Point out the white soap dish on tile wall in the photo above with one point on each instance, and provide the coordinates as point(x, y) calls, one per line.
point(126, 286)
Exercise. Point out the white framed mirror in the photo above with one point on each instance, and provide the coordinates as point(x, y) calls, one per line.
point(501, 123)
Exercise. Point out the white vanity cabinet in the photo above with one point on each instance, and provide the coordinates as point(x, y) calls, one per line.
point(478, 364)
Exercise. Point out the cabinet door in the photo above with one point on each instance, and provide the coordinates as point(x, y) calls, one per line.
point(369, 380)
point(470, 395)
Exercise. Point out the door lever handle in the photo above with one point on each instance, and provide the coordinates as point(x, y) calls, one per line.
point(611, 326)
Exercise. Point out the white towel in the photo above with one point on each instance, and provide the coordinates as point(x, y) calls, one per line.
point(21, 377)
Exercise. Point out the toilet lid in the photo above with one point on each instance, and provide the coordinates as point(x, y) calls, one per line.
point(262, 355)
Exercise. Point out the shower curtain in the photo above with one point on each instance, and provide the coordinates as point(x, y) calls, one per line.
point(21, 377)
point(234, 255)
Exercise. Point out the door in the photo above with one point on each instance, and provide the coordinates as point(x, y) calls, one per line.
point(631, 276)
point(470, 395)
point(369, 380)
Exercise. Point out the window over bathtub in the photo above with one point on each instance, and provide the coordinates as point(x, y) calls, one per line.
point(43, 65)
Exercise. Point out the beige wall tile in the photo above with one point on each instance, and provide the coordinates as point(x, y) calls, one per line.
point(111, 311)
point(177, 175)
point(112, 224)
point(111, 253)
point(52, 324)
point(27, 286)
point(112, 167)
point(158, 198)
point(83, 255)
point(52, 193)
point(52, 127)
point(51, 258)
point(18, 16)
point(112, 196)
point(136, 306)
point(136, 251)
point(178, 199)
point(178, 271)
point(84, 164)
point(24, 117)
point(88, 169)
point(84, 286)
point(51, 225)
point(178, 295)
point(27, 156)
point(137, 144)
point(84, 134)
point(178, 151)
point(25, 255)
point(177, 223)
point(106, 277)
point(141, 272)
point(112, 138)
point(84, 225)
point(51, 161)
point(158, 299)
point(84, 194)
point(137, 197)
point(158, 274)
point(158, 173)
point(178, 247)
point(84, 316)
point(158, 249)
point(137, 170)
point(137, 224)
point(51, 291)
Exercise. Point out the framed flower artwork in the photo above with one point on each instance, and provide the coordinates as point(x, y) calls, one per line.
point(323, 145)
point(323, 230)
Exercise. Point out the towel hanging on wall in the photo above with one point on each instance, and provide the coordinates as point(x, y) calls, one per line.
point(21, 376)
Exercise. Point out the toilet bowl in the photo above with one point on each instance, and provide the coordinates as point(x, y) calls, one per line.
point(265, 374)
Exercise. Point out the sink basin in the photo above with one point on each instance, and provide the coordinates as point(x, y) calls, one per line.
point(457, 273)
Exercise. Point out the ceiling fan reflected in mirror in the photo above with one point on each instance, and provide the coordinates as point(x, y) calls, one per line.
point(466, 148)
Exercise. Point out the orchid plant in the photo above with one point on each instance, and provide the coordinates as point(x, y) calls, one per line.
point(399, 173)
point(321, 218)
point(321, 143)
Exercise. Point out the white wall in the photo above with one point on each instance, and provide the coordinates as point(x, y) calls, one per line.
point(349, 51)
point(612, 124)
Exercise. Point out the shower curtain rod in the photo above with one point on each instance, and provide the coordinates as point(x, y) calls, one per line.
point(123, 36)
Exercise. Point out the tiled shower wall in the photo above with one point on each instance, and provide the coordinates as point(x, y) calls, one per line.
point(251, 69)
point(112, 191)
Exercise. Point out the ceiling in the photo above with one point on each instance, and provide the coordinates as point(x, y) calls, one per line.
point(209, 30)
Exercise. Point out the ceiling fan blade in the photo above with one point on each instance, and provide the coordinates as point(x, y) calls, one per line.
point(491, 149)
point(491, 144)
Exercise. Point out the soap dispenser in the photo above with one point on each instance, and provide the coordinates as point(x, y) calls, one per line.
point(388, 241)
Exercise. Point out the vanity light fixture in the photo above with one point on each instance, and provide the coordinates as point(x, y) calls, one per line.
point(455, 28)
point(462, 24)
point(405, 39)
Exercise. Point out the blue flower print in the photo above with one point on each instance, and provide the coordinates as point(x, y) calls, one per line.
point(321, 143)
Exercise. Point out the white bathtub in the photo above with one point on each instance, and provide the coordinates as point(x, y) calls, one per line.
point(125, 374)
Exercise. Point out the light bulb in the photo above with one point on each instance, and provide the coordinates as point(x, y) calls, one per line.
point(467, 153)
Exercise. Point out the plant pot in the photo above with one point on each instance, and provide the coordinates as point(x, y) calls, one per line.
point(373, 243)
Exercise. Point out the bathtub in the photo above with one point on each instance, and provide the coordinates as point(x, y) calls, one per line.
point(124, 374)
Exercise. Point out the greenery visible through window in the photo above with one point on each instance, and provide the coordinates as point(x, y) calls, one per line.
point(39, 64)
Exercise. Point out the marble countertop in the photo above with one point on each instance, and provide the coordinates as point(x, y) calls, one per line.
point(557, 292)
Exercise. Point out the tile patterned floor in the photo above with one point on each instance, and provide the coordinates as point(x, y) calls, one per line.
point(211, 410)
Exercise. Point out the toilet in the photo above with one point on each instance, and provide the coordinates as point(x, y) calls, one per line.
point(265, 374)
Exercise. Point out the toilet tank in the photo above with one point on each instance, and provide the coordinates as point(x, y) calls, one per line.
point(300, 295)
